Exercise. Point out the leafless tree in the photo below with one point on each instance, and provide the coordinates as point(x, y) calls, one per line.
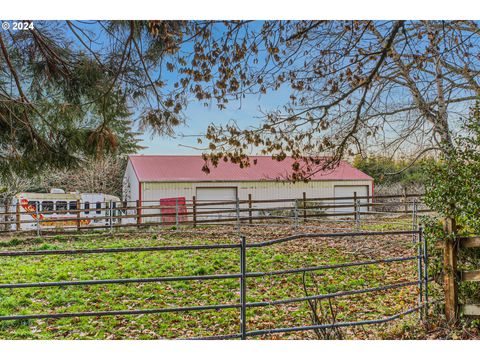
point(10, 185)
point(104, 175)
point(390, 86)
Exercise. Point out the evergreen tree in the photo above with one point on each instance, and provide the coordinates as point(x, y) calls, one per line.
point(65, 99)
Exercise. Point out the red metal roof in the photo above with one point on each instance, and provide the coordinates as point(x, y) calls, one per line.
point(151, 168)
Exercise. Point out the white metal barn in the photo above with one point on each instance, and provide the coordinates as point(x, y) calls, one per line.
point(153, 178)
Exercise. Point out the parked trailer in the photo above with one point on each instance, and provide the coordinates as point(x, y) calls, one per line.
point(58, 209)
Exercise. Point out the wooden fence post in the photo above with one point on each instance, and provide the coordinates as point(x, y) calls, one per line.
point(304, 206)
point(123, 213)
point(160, 208)
point(160, 211)
point(355, 210)
point(450, 271)
point(355, 204)
point(17, 217)
point(78, 215)
point(139, 213)
point(405, 200)
point(194, 210)
point(369, 201)
point(250, 220)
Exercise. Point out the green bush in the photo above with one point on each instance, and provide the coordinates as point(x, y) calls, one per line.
point(453, 190)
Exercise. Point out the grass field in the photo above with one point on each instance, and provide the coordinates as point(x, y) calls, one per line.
point(175, 294)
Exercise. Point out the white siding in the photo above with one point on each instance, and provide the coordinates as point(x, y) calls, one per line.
point(130, 184)
point(259, 189)
point(130, 191)
point(216, 193)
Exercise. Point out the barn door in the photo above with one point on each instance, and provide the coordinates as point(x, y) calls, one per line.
point(216, 196)
point(348, 191)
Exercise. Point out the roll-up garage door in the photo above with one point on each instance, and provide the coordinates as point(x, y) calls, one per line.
point(348, 191)
point(216, 195)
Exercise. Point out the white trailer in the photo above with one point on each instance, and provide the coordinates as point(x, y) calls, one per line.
point(58, 209)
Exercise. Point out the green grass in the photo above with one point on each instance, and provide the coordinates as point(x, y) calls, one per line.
point(177, 294)
point(401, 223)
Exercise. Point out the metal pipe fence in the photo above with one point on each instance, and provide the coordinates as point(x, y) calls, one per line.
point(243, 276)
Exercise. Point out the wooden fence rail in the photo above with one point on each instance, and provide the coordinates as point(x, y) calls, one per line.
point(194, 212)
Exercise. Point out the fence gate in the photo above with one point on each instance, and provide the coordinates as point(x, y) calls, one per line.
point(244, 275)
point(419, 259)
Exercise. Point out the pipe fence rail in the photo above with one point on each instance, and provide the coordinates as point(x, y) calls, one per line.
point(38, 218)
point(243, 275)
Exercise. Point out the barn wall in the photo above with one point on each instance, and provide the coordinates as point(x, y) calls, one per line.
point(259, 190)
point(130, 184)
point(152, 192)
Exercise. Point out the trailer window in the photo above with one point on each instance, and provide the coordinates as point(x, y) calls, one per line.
point(72, 205)
point(86, 206)
point(98, 206)
point(47, 205)
point(32, 205)
point(62, 206)
point(114, 211)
